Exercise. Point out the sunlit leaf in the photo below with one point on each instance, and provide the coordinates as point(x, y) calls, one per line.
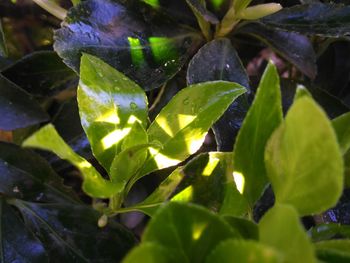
point(147, 53)
point(17, 108)
point(304, 161)
point(244, 252)
point(48, 139)
point(182, 124)
point(262, 119)
point(281, 229)
point(109, 105)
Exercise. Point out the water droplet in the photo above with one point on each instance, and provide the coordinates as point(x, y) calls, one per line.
point(227, 66)
point(186, 101)
point(133, 105)
point(15, 189)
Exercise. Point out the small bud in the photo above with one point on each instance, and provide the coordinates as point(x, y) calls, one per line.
point(259, 11)
point(102, 222)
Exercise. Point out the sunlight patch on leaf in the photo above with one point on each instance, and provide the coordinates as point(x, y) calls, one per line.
point(197, 231)
point(162, 160)
point(136, 51)
point(185, 195)
point(211, 165)
point(114, 137)
point(239, 181)
point(110, 117)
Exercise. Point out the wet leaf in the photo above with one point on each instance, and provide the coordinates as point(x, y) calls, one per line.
point(32, 179)
point(294, 47)
point(148, 54)
point(17, 108)
point(18, 244)
point(109, 105)
point(244, 252)
point(189, 229)
point(218, 60)
point(329, 20)
point(304, 161)
point(281, 229)
point(41, 73)
point(183, 123)
point(70, 232)
point(263, 117)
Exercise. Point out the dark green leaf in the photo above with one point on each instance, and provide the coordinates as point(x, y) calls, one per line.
point(333, 251)
point(329, 231)
point(330, 20)
point(154, 253)
point(218, 60)
point(148, 54)
point(199, 7)
point(109, 105)
point(17, 108)
point(18, 244)
point(3, 47)
point(191, 230)
point(94, 184)
point(263, 117)
point(304, 161)
point(26, 175)
point(244, 252)
point(70, 233)
point(41, 73)
point(294, 47)
point(280, 228)
point(341, 126)
point(246, 228)
point(182, 125)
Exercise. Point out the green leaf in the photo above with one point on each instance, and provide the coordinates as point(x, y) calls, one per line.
point(301, 92)
point(145, 51)
point(295, 48)
point(18, 244)
point(3, 47)
point(182, 125)
point(281, 229)
point(109, 105)
point(70, 233)
point(94, 184)
point(244, 252)
point(303, 160)
point(341, 126)
point(32, 179)
point(191, 230)
point(327, 231)
point(17, 108)
point(218, 60)
point(333, 251)
point(246, 228)
point(329, 20)
point(262, 119)
point(41, 73)
point(136, 136)
point(153, 253)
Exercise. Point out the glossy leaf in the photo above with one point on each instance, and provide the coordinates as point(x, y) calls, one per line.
point(281, 229)
point(27, 176)
point(109, 105)
point(295, 48)
point(333, 251)
point(244, 252)
point(70, 233)
point(48, 139)
point(17, 108)
point(341, 126)
point(218, 60)
point(181, 126)
point(329, 20)
point(190, 229)
point(153, 253)
point(263, 117)
point(41, 73)
point(18, 244)
point(148, 54)
point(3, 47)
point(303, 160)
point(136, 136)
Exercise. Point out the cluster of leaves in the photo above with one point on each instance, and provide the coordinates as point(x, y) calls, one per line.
point(123, 49)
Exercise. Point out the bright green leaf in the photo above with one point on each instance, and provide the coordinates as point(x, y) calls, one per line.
point(341, 126)
point(109, 105)
point(281, 229)
point(258, 11)
point(262, 119)
point(303, 160)
point(190, 229)
point(136, 136)
point(243, 251)
point(182, 125)
point(48, 139)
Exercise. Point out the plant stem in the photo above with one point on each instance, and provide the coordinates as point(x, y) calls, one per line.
point(52, 8)
point(115, 202)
